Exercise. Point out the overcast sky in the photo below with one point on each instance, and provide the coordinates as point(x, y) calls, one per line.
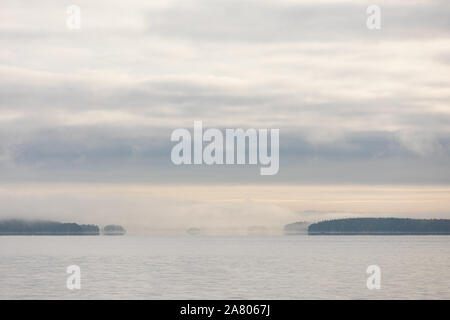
point(354, 106)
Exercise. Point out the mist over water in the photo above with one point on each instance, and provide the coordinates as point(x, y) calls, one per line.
point(216, 209)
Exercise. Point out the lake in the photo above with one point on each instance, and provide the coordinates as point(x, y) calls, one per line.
point(197, 267)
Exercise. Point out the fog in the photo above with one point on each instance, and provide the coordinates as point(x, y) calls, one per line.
point(220, 209)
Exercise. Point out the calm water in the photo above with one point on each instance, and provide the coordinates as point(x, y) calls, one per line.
point(285, 267)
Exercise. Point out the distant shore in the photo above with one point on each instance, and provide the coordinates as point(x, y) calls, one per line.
point(381, 226)
point(19, 227)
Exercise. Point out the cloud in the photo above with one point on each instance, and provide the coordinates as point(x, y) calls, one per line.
point(275, 21)
point(420, 143)
point(99, 104)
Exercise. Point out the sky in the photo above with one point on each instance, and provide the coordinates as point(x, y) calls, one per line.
point(86, 115)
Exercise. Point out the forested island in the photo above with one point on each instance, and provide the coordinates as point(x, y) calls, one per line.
point(43, 227)
point(381, 226)
point(52, 228)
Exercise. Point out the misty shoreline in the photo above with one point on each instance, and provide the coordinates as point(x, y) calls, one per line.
point(20, 227)
point(337, 227)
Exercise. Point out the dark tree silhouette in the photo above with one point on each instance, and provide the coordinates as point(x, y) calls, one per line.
point(381, 226)
point(42, 227)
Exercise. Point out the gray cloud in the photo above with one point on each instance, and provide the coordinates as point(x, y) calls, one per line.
point(102, 154)
point(99, 104)
point(262, 21)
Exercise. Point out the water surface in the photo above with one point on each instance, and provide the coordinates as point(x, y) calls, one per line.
point(191, 267)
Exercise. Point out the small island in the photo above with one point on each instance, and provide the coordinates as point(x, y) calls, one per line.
point(195, 231)
point(113, 230)
point(381, 226)
point(44, 227)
